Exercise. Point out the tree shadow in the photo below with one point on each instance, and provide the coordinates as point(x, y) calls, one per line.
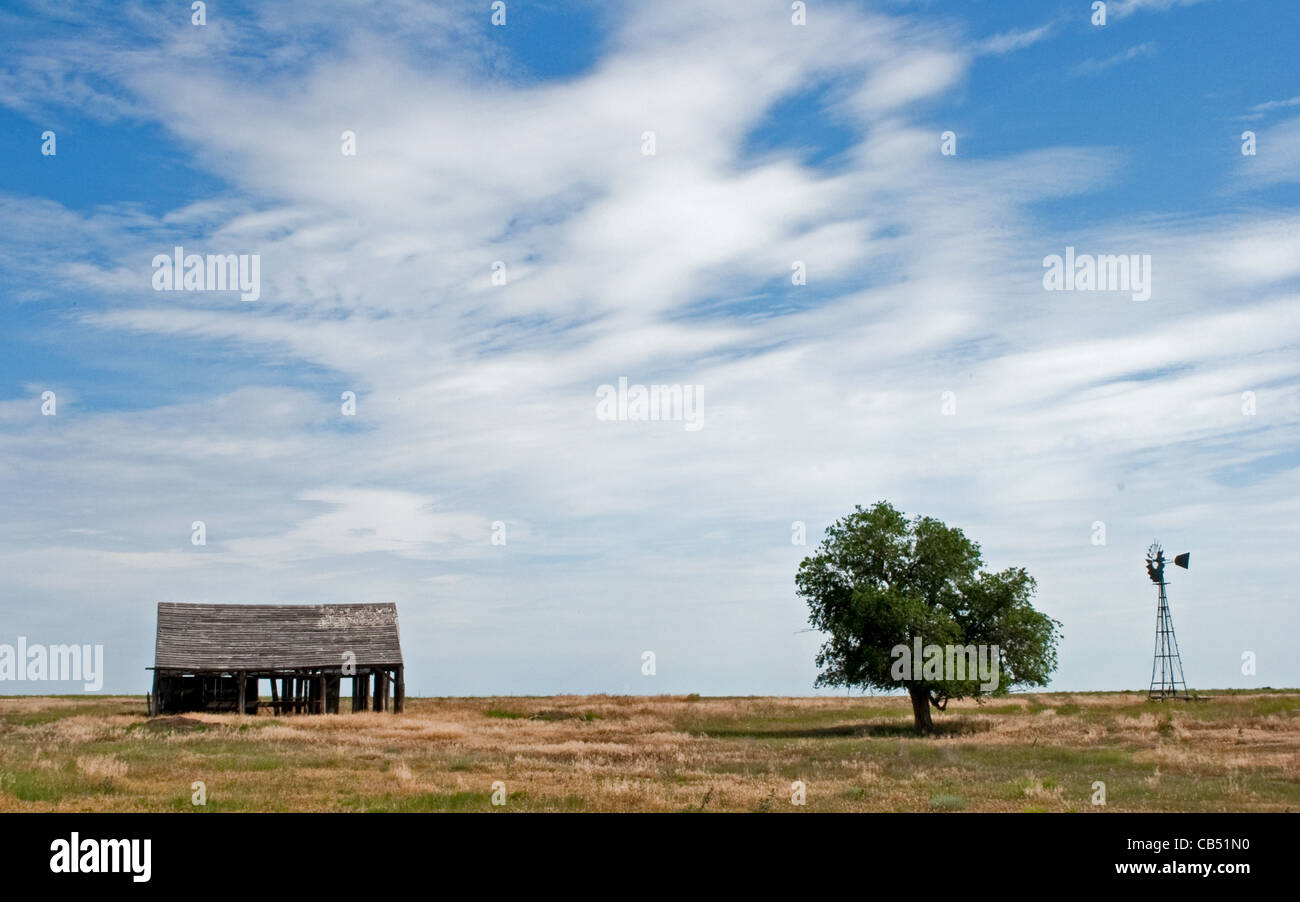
point(890, 730)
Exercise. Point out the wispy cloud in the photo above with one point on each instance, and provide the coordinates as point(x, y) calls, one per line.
point(1276, 159)
point(1010, 41)
point(1096, 66)
point(1122, 9)
point(1260, 110)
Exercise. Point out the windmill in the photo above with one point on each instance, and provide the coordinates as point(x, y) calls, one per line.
point(1167, 668)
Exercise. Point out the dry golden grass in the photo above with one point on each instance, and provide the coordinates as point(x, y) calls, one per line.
point(1237, 751)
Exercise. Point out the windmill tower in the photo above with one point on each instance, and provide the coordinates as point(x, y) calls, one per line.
point(1167, 667)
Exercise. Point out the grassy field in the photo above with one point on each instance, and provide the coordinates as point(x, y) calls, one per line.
point(1042, 752)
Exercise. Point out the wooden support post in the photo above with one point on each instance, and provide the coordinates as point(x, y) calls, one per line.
point(378, 698)
point(154, 697)
point(275, 698)
point(239, 677)
point(399, 697)
point(323, 686)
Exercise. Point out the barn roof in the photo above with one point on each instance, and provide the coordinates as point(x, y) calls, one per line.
point(227, 637)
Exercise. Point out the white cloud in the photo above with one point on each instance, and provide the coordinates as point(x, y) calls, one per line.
point(1271, 105)
point(362, 521)
point(1122, 9)
point(913, 77)
point(1277, 155)
point(1094, 66)
point(1010, 41)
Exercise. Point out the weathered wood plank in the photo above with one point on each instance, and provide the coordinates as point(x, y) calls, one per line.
point(230, 637)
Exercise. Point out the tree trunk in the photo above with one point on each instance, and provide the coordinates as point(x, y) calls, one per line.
point(921, 708)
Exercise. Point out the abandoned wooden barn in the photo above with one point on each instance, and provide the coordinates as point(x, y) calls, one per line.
point(214, 657)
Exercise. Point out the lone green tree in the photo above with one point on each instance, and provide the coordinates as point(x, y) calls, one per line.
point(880, 583)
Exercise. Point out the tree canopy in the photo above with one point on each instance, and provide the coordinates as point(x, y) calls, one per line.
point(879, 583)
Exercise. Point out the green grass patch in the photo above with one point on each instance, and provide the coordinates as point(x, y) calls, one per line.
point(31, 787)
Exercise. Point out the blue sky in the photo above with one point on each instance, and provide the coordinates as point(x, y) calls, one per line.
point(523, 143)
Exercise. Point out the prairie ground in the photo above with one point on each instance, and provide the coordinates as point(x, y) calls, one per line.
point(1237, 751)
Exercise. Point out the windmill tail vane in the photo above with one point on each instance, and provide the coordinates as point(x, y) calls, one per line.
point(1167, 679)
